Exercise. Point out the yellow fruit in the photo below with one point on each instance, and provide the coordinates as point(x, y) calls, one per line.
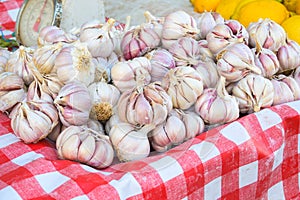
point(254, 10)
point(205, 5)
point(238, 7)
point(297, 7)
point(227, 7)
point(192, 2)
point(292, 27)
point(290, 5)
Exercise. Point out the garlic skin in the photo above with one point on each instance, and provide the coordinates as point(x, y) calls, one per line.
point(144, 105)
point(96, 126)
point(205, 52)
point(74, 63)
point(55, 132)
point(208, 72)
point(161, 61)
point(113, 120)
point(267, 33)
point(225, 34)
point(139, 40)
point(194, 124)
point(73, 103)
point(32, 121)
point(82, 144)
point(156, 22)
point(4, 56)
point(235, 62)
point(54, 34)
point(44, 57)
point(296, 75)
point(51, 84)
point(178, 24)
point(11, 90)
point(253, 93)
point(206, 21)
point(184, 85)
point(104, 97)
point(127, 75)
point(98, 37)
point(130, 143)
point(288, 56)
point(216, 106)
point(19, 62)
point(35, 92)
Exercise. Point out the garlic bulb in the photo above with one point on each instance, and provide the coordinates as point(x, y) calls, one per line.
point(225, 34)
point(286, 89)
point(36, 92)
point(18, 63)
point(266, 60)
point(4, 56)
point(178, 24)
point(104, 97)
point(126, 75)
point(99, 37)
point(139, 40)
point(53, 34)
point(113, 120)
point(51, 84)
point(44, 57)
point(288, 56)
point(55, 132)
point(206, 21)
point(235, 62)
point(103, 67)
point(185, 51)
point(82, 144)
point(156, 22)
point(194, 124)
point(267, 33)
point(296, 75)
point(130, 143)
point(11, 90)
point(208, 72)
point(205, 52)
point(144, 105)
point(216, 106)
point(253, 93)
point(32, 121)
point(184, 85)
point(73, 103)
point(96, 126)
point(161, 61)
point(74, 63)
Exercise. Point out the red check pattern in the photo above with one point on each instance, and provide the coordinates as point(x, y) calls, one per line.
point(255, 157)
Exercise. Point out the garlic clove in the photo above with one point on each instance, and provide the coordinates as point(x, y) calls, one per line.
point(86, 149)
point(69, 148)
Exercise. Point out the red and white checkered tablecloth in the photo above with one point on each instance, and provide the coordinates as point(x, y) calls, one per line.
point(255, 157)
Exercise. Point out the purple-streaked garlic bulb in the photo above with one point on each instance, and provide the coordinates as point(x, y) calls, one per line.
point(266, 60)
point(235, 62)
point(51, 84)
point(36, 92)
point(216, 106)
point(32, 121)
point(206, 21)
point(286, 89)
point(184, 85)
point(267, 33)
point(178, 24)
point(19, 62)
point(288, 56)
point(127, 75)
point(74, 63)
point(4, 56)
point(225, 34)
point(156, 22)
point(12, 90)
point(139, 40)
point(54, 34)
point(161, 61)
point(74, 104)
point(253, 92)
point(144, 105)
point(99, 37)
point(82, 144)
point(205, 52)
point(208, 72)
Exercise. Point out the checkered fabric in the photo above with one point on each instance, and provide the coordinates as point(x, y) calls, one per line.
point(254, 157)
point(8, 14)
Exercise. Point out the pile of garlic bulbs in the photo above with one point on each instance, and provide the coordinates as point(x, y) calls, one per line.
point(105, 90)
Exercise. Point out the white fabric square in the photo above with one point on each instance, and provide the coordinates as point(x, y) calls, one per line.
point(93, 170)
point(26, 158)
point(278, 157)
point(13, 14)
point(295, 105)
point(248, 174)
point(52, 180)
point(276, 191)
point(8, 139)
point(213, 189)
point(205, 150)
point(127, 186)
point(167, 167)
point(9, 193)
point(267, 118)
point(83, 197)
point(236, 133)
